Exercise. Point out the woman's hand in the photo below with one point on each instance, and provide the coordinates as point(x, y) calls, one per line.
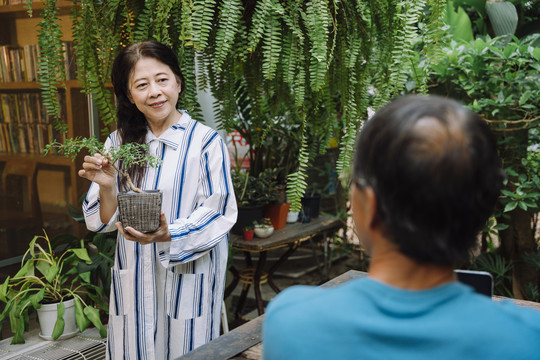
point(162, 234)
point(98, 169)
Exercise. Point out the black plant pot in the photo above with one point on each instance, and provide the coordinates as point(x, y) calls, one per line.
point(310, 208)
point(246, 216)
point(141, 211)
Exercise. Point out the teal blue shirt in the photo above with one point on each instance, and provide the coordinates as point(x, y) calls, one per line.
point(366, 319)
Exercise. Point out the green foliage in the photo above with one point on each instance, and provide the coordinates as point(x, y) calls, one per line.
point(254, 190)
point(320, 63)
point(51, 63)
point(501, 82)
point(121, 157)
point(47, 276)
point(496, 264)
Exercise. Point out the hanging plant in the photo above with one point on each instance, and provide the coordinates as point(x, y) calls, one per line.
point(320, 63)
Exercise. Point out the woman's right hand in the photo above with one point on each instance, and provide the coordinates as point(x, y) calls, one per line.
point(98, 169)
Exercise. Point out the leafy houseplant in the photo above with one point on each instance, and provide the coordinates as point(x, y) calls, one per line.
point(49, 277)
point(138, 209)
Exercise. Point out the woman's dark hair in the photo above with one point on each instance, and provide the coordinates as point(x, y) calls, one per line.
point(132, 125)
point(434, 168)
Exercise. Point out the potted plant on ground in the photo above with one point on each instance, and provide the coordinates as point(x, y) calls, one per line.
point(49, 279)
point(136, 208)
point(264, 228)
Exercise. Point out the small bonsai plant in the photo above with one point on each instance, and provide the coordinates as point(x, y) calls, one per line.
point(49, 277)
point(142, 212)
point(129, 154)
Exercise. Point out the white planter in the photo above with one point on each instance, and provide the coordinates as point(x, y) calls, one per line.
point(263, 231)
point(292, 217)
point(47, 314)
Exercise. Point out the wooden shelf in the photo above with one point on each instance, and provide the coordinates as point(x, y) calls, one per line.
point(32, 85)
point(42, 159)
point(19, 9)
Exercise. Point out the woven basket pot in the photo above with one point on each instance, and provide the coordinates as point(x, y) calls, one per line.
point(141, 211)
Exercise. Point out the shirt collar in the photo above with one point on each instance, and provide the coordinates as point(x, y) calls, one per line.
point(171, 137)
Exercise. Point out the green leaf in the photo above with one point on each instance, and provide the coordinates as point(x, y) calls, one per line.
point(51, 273)
point(524, 97)
point(85, 276)
point(460, 23)
point(80, 318)
point(82, 254)
point(60, 323)
point(37, 298)
point(503, 17)
point(3, 290)
point(501, 227)
point(510, 206)
point(93, 315)
point(26, 270)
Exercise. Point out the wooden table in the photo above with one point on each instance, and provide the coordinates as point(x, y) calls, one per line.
point(290, 236)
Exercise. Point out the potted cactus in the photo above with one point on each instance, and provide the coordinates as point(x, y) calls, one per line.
point(136, 208)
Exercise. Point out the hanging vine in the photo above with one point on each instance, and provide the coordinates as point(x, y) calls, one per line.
point(320, 64)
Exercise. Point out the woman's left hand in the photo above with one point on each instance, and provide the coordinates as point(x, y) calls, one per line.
point(162, 234)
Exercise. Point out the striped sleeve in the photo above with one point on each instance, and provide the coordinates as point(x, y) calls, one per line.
point(216, 211)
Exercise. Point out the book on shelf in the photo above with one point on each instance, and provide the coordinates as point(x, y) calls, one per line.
point(25, 126)
point(20, 63)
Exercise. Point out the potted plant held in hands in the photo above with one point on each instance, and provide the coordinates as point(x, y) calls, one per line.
point(51, 283)
point(136, 208)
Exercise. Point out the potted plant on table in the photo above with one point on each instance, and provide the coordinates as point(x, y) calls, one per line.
point(49, 282)
point(252, 194)
point(136, 208)
point(248, 232)
point(264, 228)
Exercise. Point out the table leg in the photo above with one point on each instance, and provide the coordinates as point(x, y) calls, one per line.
point(257, 282)
point(241, 300)
point(280, 261)
point(234, 282)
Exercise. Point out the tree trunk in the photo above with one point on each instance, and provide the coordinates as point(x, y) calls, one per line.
point(516, 241)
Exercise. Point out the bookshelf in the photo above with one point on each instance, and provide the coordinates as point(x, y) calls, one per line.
point(24, 126)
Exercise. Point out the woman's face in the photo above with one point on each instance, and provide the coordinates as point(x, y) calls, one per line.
point(154, 89)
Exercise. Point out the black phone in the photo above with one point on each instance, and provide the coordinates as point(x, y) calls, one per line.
point(481, 281)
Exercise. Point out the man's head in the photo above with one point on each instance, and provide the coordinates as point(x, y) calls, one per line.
point(433, 168)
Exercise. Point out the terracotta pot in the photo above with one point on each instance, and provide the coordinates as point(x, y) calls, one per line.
point(248, 234)
point(277, 213)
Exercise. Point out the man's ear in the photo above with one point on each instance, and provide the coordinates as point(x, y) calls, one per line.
point(370, 208)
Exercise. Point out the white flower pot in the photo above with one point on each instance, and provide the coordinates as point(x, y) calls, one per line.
point(263, 231)
point(292, 217)
point(47, 315)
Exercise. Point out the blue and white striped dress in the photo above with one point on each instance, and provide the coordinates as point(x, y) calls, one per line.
point(166, 297)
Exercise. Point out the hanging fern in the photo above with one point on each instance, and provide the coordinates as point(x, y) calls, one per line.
point(230, 13)
point(296, 182)
point(51, 63)
point(203, 16)
point(318, 63)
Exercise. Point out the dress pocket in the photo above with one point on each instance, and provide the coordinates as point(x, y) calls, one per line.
point(119, 302)
point(184, 294)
